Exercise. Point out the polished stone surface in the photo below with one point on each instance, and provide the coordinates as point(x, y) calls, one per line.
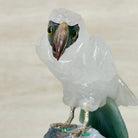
point(57, 133)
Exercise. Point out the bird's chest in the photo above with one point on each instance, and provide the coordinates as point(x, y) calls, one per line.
point(74, 75)
point(71, 72)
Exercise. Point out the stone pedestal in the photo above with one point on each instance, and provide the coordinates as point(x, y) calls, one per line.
point(54, 132)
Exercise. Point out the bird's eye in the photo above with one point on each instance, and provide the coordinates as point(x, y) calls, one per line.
point(74, 34)
point(50, 30)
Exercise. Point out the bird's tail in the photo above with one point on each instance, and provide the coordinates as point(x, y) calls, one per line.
point(125, 96)
point(107, 120)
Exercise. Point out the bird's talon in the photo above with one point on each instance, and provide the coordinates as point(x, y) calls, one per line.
point(63, 125)
point(80, 132)
point(56, 124)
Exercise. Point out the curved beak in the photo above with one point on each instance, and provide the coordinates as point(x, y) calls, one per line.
point(60, 40)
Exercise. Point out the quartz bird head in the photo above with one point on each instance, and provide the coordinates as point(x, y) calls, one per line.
point(65, 30)
point(66, 39)
point(61, 36)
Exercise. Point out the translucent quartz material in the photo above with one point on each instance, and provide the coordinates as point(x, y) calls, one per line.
point(86, 69)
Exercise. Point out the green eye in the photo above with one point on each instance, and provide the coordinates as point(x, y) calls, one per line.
point(74, 34)
point(50, 30)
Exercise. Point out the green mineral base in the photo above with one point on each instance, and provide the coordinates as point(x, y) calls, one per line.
point(86, 134)
point(107, 120)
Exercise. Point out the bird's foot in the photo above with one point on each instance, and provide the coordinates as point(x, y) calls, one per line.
point(80, 132)
point(63, 125)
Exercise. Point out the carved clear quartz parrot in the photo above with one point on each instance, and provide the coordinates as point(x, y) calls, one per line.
point(84, 65)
